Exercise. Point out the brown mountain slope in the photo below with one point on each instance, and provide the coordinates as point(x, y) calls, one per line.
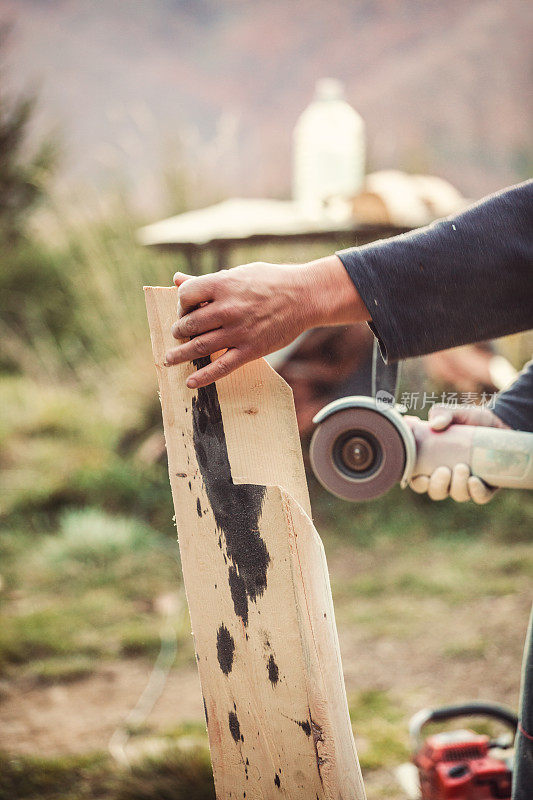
point(443, 86)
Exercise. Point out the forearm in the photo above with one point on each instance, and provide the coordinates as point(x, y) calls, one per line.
point(330, 294)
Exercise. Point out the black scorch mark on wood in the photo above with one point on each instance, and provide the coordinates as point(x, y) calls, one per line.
point(234, 727)
point(198, 507)
point(205, 712)
point(225, 649)
point(236, 508)
point(239, 595)
point(273, 671)
point(277, 781)
point(305, 726)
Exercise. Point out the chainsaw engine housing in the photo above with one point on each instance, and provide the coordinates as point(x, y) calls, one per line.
point(457, 765)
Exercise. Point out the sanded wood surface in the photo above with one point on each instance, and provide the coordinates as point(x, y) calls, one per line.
point(256, 580)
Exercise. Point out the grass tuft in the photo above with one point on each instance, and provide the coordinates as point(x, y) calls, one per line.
point(62, 778)
point(53, 671)
point(177, 776)
point(95, 538)
point(172, 775)
point(379, 726)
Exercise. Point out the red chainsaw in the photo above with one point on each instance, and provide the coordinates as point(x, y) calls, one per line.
point(460, 764)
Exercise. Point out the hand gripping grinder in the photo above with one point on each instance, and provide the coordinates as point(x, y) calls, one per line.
point(362, 446)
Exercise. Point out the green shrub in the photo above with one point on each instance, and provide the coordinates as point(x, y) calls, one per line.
point(95, 538)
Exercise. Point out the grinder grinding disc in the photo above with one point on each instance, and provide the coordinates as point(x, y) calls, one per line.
point(357, 453)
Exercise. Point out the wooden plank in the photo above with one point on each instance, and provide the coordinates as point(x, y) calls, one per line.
point(256, 580)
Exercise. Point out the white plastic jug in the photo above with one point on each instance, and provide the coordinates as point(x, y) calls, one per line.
point(328, 149)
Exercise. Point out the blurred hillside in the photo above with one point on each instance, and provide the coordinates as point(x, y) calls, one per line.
point(443, 86)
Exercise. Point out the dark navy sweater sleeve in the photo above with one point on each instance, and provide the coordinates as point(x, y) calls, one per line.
point(459, 280)
point(515, 405)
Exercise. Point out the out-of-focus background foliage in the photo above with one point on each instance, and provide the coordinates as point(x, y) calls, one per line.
point(112, 115)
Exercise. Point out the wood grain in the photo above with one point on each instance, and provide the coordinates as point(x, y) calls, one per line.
point(256, 580)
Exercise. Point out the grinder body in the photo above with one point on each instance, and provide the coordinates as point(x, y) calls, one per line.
point(362, 447)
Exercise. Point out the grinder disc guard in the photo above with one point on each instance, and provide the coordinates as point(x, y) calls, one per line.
point(357, 452)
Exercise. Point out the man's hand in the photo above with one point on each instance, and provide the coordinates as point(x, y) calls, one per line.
point(253, 310)
point(459, 483)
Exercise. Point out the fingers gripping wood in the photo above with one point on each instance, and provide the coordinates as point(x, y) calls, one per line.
point(256, 581)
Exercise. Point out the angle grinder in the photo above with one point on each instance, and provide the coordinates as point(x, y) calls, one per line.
point(362, 446)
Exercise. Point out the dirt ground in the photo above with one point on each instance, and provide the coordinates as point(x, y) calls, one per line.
point(81, 716)
point(419, 651)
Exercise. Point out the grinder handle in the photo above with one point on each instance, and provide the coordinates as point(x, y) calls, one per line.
point(500, 457)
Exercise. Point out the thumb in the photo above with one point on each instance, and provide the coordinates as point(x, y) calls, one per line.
point(479, 491)
point(440, 417)
point(180, 277)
